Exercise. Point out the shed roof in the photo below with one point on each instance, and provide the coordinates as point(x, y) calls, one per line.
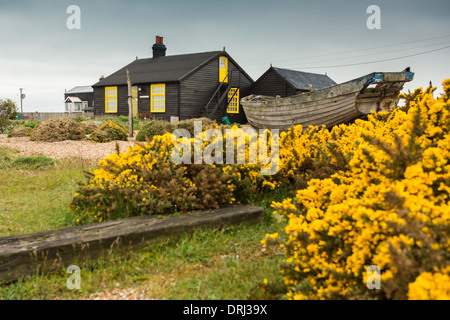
point(80, 89)
point(73, 99)
point(301, 80)
point(161, 69)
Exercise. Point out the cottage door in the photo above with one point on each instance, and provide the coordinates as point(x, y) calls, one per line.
point(134, 101)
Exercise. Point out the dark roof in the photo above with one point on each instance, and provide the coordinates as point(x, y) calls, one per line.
point(161, 69)
point(301, 80)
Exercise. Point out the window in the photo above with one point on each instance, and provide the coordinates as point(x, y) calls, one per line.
point(223, 69)
point(134, 100)
point(111, 99)
point(78, 107)
point(233, 101)
point(85, 105)
point(158, 99)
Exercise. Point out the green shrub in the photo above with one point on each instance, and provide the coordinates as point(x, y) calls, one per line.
point(160, 127)
point(109, 131)
point(16, 123)
point(123, 118)
point(189, 124)
point(8, 111)
point(19, 131)
point(58, 129)
point(79, 118)
point(136, 123)
point(154, 128)
point(30, 124)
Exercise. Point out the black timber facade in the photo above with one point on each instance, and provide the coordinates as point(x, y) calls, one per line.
point(198, 88)
point(286, 83)
point(191, 82)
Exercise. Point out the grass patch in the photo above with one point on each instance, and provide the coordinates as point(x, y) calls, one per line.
point(10, 160)
point(37, 200)
point(7, 155)
point(32, 163)
point(210, 264)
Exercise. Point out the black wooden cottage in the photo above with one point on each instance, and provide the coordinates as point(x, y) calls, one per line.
point(286, 82)
point(205, 84)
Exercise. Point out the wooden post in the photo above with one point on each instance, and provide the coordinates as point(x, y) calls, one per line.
point(130, 106)
point(21, 103)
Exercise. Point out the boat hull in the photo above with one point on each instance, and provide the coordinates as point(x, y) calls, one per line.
point(329, 106)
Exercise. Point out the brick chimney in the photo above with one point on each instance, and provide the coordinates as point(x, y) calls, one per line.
point(159, 49)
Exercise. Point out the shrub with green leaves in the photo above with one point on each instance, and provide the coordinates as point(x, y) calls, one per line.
point(30, 124)
point(110, 131)
point(189, 124)
point(154, 128)
point(79, 118)
point(8, 110)
point(58, 129)
point(124, 120)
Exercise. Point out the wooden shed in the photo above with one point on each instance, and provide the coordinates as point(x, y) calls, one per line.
point(205, 84)
point(79, 99)
point(286, 82)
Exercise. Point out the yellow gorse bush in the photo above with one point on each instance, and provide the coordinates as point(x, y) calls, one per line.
point(387, 204)
point(431, 286)
point(109, 131)
point(145, 180)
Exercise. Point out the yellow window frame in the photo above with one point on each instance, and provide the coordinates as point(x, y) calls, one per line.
point(158, 98)
point(134, 100)
point(223, 69)
point(110, 99)
point(233, 102)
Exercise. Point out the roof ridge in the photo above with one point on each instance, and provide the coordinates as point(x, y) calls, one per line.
point(166, 69)
point(302, 80)
point(300, 71)
point(177, 55)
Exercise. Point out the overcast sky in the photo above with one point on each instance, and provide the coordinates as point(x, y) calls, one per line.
point(40, 54)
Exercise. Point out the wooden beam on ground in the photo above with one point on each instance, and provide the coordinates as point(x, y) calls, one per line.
point(52, 251)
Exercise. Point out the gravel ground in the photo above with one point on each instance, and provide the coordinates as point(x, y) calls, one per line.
point(63, 149)
point(121, 294)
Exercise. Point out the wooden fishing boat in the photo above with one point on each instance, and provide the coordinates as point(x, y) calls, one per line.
point(328, 106)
